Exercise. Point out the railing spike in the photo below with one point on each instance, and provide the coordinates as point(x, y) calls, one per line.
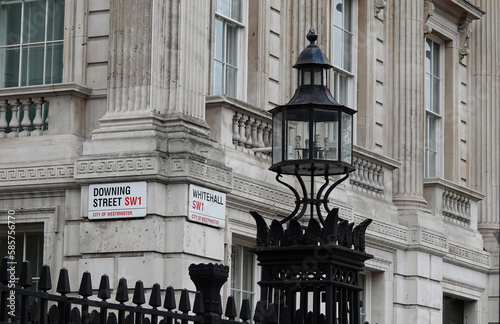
point(63, 282)
point(104, 291)
point(53, 315)
point(122, 291)
point(112, 319)
point(198, 307)
point(45, 282)
point(231, 308)
point(85, 285)
point(4, 276)
point(184, 303)
point(169, 299)
point(260, 310)
point(245, 311)
point(155, 298)
point(74, 316)
point(139, 297)
point(26, 278)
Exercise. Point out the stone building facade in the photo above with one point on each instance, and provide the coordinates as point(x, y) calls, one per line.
point(170, 97)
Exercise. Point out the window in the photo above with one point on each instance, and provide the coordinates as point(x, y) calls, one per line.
point(31, 42)
point(342, 52)
point(229, 48)
point(28, 246)
point(433, 108)
point(242, 274)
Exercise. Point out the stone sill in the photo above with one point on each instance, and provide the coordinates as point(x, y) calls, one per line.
point(49, 90)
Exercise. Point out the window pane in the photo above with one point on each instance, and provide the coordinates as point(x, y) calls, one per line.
point(231, 81)
point(337, 46)
point(427, 92)
point(338, 13)
point(347, 15)
point(34, 252)
point(431, 133)
point(435, 59)
point(218, 78)
point(428, 44)
point(10, 23)
point(32, 65)
point(9, 67)
point(34, 22)
point(219, 40)
point(232, 45)
point(55, 28)
point(53, 67)
point(224, 7)
point(236, 10)
point(436, 84)
point(347, 52)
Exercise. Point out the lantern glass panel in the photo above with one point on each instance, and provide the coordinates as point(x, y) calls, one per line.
point(277, 137)
point(346, 135)
point(326, 138)
point(297, 134)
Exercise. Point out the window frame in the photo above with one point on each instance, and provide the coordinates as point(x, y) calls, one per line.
point(439, 116)
point(241, 49)
point(340, 71)
point(23, 65)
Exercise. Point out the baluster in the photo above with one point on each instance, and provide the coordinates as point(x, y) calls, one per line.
point(260, 133)
point(355, 175)
point(445, 202)
point(364, 174)
point(371, 181)
point(378, 179)
point(14, 121)
point(236, 129)
point(241, 121)
point(25, 122)
point(455, 205)
point(248, 133)
point(38, 120)
point(3, 118)
point(253, 134)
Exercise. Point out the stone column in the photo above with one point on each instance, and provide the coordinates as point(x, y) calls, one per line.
point(158, 57)
point(406, 23)
point(485, 100)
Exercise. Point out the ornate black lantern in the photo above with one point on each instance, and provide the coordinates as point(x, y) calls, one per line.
point(312, 133)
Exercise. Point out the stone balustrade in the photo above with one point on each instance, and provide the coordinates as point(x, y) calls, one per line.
point(21, 117)
point(239, 125)
point(373, 174)
point(455, 204)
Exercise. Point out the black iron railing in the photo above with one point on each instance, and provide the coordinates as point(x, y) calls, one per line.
point(20, 304)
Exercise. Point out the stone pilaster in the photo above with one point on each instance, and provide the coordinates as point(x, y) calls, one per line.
point(406, 20)
point(485, 149)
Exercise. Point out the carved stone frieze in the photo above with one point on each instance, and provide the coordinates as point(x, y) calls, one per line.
point(386, 229)
point(464, 31)
point(104, 166)
point(33, 173)
point(474, 256)
point(428, 10)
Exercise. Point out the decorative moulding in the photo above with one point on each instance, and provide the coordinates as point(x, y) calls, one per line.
point(464, 31)
point(379, 5)
point(428, 11)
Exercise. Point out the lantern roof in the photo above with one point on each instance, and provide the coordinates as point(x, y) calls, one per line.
point(312, 54)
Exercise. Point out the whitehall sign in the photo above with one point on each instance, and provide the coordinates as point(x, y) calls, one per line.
point(207, 206)
point(117, 200)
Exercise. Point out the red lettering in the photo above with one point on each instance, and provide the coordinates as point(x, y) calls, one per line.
point(198, 205)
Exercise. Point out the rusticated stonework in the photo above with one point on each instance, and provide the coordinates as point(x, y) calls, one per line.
point(37, 173)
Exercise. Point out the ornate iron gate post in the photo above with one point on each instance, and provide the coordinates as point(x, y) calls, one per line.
point(310, 275)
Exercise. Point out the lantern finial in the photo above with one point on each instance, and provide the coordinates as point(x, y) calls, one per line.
point(312, 36)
